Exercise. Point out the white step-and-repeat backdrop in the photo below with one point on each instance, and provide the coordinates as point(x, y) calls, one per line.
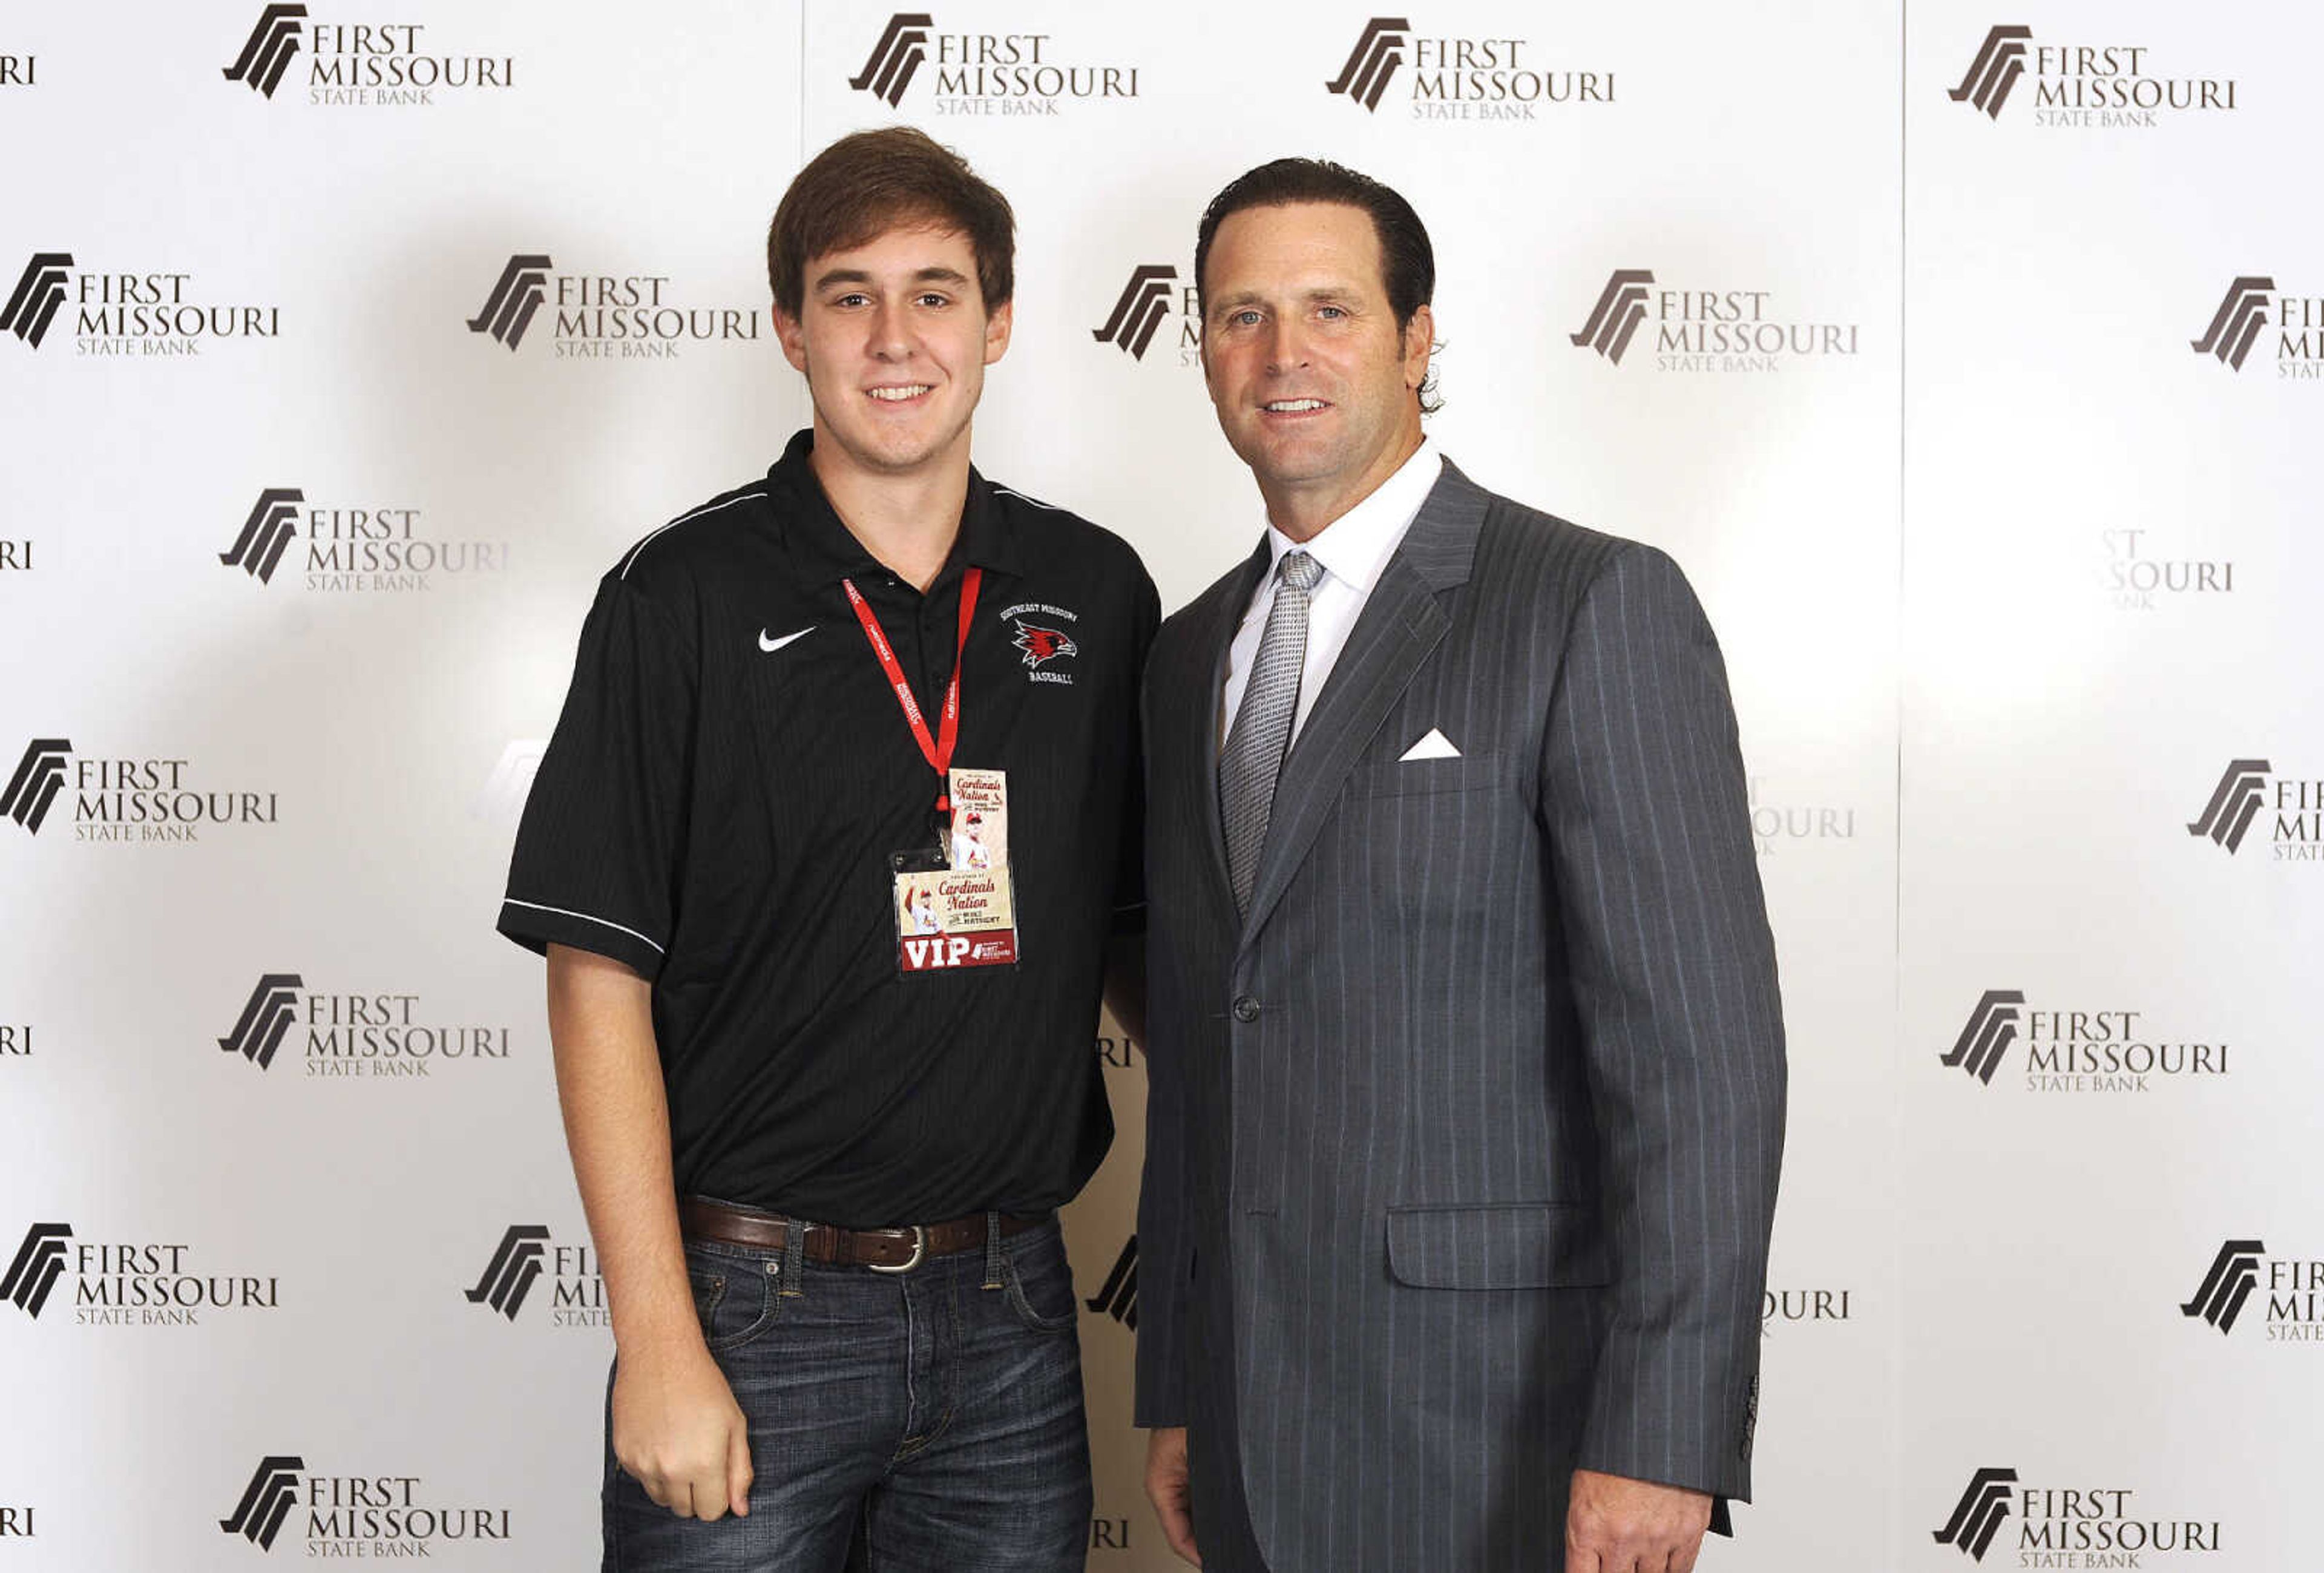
point(1971, 361)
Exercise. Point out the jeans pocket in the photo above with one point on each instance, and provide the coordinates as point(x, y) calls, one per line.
point(734, 1300)
point(1040, 1284)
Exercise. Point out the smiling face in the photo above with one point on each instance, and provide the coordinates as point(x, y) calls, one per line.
point(893, 337)
point(1313, 382)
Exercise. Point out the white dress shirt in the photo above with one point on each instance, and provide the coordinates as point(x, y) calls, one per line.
point(1353, 549)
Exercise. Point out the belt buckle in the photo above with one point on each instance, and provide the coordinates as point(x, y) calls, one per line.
point(919, 1254)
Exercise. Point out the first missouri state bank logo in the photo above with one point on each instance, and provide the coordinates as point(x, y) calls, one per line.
point(2290, 1290)
point(354, 550)
point(120, 798)
point(40, 1261)
point(902, 48)
point(356, 64)
point(1992, 1028)
point(509, 1275)
point(983, 73)
point(148, 312)
point(1118, 1297)
point(1379, 51)
point(1463, 78)
point(1143, 304)
point(272, 1012)
point(375, 1514)
point(2254, 303)
point(267, 53)
point(39, 290)
point(1978, 1516)
point(2070, 1526)
point(266, 1501)
point(1614, 320)
point(2251, 787)
point(1706, 329)
point(384, 1036)
point(2106, 1050)
point(516, 296)
point(2242, 313)
point(1158, 308)
point(2234, 1274)
point(268, 531)
point(2235, 803)
point(525, 1255)
point(603, 316)
point(40, 776)
point(502, 796)
point(2000, 61)
point(148, 1283)
point(2108, 85)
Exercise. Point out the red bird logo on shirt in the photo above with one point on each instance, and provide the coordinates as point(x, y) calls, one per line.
point(1041, 644)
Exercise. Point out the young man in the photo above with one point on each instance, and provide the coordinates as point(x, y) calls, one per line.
point(1466, 1059)
point(823, 1090)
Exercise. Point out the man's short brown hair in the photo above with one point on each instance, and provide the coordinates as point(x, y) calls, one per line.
point(866, 184)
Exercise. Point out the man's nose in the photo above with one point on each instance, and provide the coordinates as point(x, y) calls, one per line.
point(890, 336)
point(1286, 345)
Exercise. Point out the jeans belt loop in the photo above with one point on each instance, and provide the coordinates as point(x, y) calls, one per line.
point(992, 1250)
point(794, 1259)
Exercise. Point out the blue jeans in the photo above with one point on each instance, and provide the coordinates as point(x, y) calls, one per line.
point(915, 1421)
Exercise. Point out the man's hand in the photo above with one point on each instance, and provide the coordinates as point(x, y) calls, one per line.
point(1618, 1525)
point(1167, 1490)
point(679, 1433)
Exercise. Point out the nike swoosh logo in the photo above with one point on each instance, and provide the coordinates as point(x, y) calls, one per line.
point(771, 645)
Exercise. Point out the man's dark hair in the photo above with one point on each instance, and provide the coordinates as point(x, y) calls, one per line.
point(864, 185)
point(1407, 262)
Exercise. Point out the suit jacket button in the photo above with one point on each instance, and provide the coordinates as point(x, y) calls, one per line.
point(1246, 1009)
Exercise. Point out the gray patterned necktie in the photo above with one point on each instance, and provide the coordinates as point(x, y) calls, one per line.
point(1262, 725)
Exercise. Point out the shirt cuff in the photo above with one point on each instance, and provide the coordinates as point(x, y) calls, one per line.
point(537, 926)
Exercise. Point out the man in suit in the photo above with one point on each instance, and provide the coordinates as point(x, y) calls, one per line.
point(1466, 1054)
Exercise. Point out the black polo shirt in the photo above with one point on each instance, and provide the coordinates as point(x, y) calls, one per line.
point(718, 806)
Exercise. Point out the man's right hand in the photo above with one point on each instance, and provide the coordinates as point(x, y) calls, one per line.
point(1167, 1489)
point(679, 1433)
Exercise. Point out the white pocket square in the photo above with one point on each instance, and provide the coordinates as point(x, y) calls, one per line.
point(1435, 745)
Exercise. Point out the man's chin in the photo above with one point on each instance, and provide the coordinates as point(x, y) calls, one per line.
point(893, 453)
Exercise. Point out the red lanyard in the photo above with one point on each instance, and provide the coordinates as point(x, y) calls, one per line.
point(936, 750)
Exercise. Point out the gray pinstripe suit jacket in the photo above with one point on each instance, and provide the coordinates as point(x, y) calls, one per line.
point(1461, 1146)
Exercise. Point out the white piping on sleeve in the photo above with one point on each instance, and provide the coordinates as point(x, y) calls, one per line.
point(560, 912)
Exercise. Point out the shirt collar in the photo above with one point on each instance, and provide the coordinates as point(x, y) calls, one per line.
point(1356, 546)
point(827, 552)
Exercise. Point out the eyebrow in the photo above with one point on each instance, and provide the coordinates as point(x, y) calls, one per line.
point(932, 275)
point(1241, 297)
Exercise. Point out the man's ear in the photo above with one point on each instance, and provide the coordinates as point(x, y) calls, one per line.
point(1419, 342)
point(792, 334)
point(998, 325)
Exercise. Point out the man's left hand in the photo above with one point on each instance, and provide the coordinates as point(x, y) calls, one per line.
point(1618, 1525)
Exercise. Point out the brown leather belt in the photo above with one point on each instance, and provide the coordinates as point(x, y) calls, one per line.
point(883, 1250)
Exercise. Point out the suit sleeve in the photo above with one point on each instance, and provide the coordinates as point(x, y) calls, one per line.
point(1674, 972)
point(1164, 1205)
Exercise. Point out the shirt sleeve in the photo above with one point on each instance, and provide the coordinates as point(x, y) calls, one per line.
point(601, 844)
point(1130, 873)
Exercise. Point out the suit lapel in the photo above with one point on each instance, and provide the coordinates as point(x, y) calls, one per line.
point(1401, 624)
